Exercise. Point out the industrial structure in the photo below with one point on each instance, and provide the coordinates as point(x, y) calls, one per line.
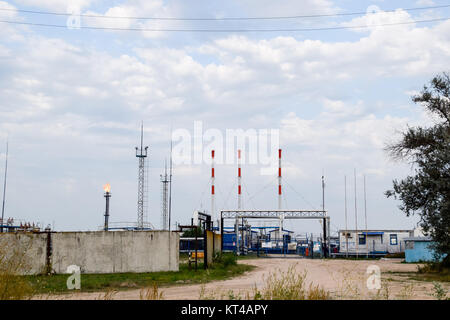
point(107, 196)
point(165, 181)
point(245, 237)
point(141, 154)
point(4, 188)
point(242, 236)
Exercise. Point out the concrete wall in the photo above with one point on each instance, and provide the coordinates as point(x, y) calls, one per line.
point(29, 251)
point(217, 243)
point(104, 252)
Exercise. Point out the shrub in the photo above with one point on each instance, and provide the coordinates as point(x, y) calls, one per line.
point(13, 263)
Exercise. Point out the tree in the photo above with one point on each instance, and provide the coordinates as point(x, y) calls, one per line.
point(192, 232)
point(427, 192)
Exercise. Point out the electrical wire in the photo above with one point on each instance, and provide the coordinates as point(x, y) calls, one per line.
point(263, 188)
point(248, 194)
point(225, 30)
point(220, 19)
point(299, 194)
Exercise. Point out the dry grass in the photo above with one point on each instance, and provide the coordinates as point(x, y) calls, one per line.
point(279, 285)
point(151, 293)
point(13, 263)
point(107, 295)
point(290, 285)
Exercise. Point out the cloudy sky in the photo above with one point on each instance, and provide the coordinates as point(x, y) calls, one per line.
point(72, 100)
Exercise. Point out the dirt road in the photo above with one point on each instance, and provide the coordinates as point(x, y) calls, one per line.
point(344, 279)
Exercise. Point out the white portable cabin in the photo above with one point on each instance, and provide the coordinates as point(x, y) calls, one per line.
point(373, 241)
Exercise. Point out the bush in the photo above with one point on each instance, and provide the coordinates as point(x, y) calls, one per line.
point(290, 285)
point(13, 263)
point(225, 260)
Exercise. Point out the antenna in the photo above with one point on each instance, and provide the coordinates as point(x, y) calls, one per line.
point(141, 154)
point(212, 188)
point(365, 215)
point(356, 219)
point(164, 198)
point(4, 187)
point(346, 226)
point(239, 181)
point(323, 190)
point(279, 180)
point(170, 181)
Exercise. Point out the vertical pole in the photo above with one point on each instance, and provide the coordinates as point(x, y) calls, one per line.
point(212, 186)
point(323, 192)
point(328, 236)
point(324, 237)
point(279, 180)
point(346, 226)
point(4, 188)
point(356, 220)
point(239, 181)
point(196, 246)
point(205, 246)
point(365, 216)
point(242, 236)
point(221, 232)
point(236, 230)
point(324, 244)
point(170, 184)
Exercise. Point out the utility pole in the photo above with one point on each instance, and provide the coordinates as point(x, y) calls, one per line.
point(365, 215)
point(356, 220)
point(4, 187)
point(170, 182)
point(346, 226)
point(324, 220)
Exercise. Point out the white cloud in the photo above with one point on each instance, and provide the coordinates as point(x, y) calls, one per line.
point(65, 101)
point(57, 5)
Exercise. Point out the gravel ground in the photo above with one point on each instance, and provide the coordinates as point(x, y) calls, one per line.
point(344, 279)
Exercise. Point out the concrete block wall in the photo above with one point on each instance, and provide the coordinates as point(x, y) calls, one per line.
point(29, 249)
point(104, 251)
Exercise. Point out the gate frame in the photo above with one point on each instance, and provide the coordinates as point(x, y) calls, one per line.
point(277, 214)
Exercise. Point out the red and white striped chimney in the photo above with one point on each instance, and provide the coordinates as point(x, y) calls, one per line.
point(279, 179)
point(213, 216)
point(239, 181)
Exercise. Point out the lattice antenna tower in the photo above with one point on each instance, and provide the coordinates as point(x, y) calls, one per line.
point(165, 180)
point(142, 203)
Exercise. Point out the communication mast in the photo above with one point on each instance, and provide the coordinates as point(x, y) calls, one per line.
point(141, 154)
point(165, 180)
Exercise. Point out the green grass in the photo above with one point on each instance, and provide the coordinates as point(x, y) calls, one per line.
point(44, 284)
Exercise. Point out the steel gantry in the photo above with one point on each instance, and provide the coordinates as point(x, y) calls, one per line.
point(280, 214)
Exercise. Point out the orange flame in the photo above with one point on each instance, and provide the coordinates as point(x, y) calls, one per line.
point(107, 187)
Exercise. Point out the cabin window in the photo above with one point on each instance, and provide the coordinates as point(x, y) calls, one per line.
point(393, 239)
point(362, 239)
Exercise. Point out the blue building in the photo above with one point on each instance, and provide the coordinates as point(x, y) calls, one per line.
point(418, 249)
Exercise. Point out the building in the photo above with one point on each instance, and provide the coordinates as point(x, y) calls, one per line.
point(418, 249)
point(373, 242)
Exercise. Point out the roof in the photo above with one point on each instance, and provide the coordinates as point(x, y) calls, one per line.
point(417, 239)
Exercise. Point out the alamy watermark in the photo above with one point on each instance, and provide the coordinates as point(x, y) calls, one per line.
point(374, 279)
point(74, 19)
point(258, 146)
point(74, 280)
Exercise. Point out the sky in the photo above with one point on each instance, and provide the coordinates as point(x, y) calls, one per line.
point(72, 101)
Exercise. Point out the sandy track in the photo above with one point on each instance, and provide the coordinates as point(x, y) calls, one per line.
point(345, 279)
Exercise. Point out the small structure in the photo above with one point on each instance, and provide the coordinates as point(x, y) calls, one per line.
point(418, 249)
point(372, 242)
